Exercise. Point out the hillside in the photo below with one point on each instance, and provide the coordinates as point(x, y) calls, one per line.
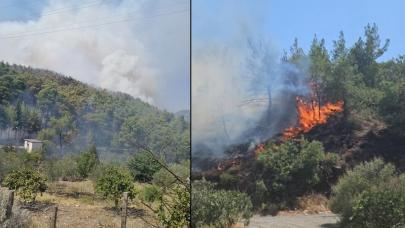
point(69, 115)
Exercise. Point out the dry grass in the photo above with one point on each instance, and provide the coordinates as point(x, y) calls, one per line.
point(71, 187)
point(313, 203)
point(79, 207)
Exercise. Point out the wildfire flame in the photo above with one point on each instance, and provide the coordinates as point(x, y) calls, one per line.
point(259, 148)
point(311, 114)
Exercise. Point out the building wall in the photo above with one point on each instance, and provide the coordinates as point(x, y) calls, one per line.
point(32, 146)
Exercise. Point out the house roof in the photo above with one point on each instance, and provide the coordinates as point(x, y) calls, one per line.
point(33, 140)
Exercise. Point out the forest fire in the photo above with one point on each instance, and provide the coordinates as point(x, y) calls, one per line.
point(311, 114)
point(259, 149)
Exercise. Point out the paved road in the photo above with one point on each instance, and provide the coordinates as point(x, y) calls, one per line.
point(327, 220)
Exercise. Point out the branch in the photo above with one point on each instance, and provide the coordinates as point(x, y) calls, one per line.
point(145, 148)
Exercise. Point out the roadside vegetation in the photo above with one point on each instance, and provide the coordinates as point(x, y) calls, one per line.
point(97, 145)
point(355, 161)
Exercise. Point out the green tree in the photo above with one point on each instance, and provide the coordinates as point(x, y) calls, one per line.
point(27, 183)
point(113, 182)
point(87, 161)
point(319, 69)
point(365, 53)
point(64, 129)
point(143, 166)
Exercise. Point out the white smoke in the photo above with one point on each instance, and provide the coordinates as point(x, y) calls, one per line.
point(218, 90)
point(136, 47)
point(230, 94)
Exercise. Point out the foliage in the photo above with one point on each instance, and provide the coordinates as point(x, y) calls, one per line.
point(292, 169)
point(26, 182)
point(354, 189)
point(87, 161)
point(42, 104)
point(12, 160)
point(379, 208)
point(219, 208)
point(150, 193)
point(174, 210)
point(142, 166)
point(163, 178)
point(114, 182)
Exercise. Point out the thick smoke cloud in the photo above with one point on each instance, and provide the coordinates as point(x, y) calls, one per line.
point(242, 94)
point(146, 55)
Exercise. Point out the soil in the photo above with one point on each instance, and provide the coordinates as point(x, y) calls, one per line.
point(85, 216)
point(322, 220)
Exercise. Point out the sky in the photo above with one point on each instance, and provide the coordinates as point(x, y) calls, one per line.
point(280, 21)
point(230, 88)
point(140, 47)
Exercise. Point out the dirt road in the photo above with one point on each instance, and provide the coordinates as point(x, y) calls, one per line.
point(326, 220)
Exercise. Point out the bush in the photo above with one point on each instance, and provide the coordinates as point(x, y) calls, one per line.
point(150, 193)
point(219, 208)
point(293, 169)
point(174, 209)
point(379, 208)
point(65, 169)
point(163, 178)
point(87, 161)
point(13, 160)
point(366, 176)
point(26, 182)
point(113, 182)
point(143, 166)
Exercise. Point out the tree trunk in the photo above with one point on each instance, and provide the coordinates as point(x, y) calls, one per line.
point(60, 143)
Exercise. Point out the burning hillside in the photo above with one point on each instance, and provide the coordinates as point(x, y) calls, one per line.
point(311, 114)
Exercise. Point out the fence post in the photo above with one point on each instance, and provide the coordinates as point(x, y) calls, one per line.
point(54, 217)
point(124, 210)
point(10, 203)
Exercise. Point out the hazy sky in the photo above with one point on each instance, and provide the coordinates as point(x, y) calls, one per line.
point(140, 47)
point(283, 20)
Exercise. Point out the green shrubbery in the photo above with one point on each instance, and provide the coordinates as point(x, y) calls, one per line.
point(27, 183)
point(163, 178)
point(370, 195)
point(379, 208)
point(293, 169)
point(142, 166)
point(113, 182)
point(87, 161)
point(73, 167)
point(219, 208)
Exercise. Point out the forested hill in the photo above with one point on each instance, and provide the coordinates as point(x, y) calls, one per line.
point(69, 115)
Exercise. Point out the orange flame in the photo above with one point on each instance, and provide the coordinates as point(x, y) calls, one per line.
point(259, 148)
point(311, 114)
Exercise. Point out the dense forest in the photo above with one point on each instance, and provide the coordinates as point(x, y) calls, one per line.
point(98, 147)
point(69, 115)
point(354, 160)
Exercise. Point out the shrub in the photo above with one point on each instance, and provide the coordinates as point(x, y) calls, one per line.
point(163, 178)
point(150, 193)
point(293, 169)
point(366, 176)
point(65, 169)
point(26, 182)
point(87, 161)
point(113, 182)
point(143, 166)
point(219, 208)
point(174, 209)
point(379, 208)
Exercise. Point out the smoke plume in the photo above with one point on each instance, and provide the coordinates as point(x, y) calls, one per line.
point(137, 47)
point(242, 94)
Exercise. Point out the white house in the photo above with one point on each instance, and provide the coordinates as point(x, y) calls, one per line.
point(32, 144)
